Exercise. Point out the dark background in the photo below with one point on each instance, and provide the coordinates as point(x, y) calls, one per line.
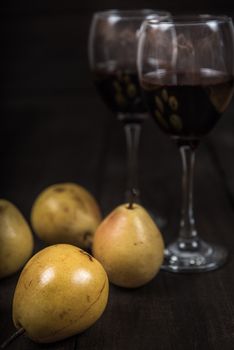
point(54, 128)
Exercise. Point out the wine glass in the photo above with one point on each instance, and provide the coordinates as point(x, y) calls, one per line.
point(112, 48)
point(186, 68)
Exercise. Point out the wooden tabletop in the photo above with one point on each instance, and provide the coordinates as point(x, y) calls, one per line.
point(54, 128)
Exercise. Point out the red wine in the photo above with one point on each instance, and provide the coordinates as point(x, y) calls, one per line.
point(187, 105)
point(120, 90)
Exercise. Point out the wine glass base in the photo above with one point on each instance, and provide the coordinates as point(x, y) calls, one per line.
point(205, 257)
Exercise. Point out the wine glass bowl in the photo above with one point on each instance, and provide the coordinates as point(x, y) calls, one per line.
point(112, 55)
point(186, 67)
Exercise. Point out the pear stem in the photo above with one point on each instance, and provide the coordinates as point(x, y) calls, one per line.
point(132, 197)
point(15, 335)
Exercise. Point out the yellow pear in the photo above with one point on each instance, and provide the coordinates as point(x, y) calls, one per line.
point(61, 291)
point(16, 240)
point(129, 246)
point(66, 213)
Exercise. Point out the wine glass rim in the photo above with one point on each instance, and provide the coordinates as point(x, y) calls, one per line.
point(132, 14)
point(190, 19)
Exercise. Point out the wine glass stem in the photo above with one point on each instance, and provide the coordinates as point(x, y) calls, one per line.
point(188, 233)
point(132, 133)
